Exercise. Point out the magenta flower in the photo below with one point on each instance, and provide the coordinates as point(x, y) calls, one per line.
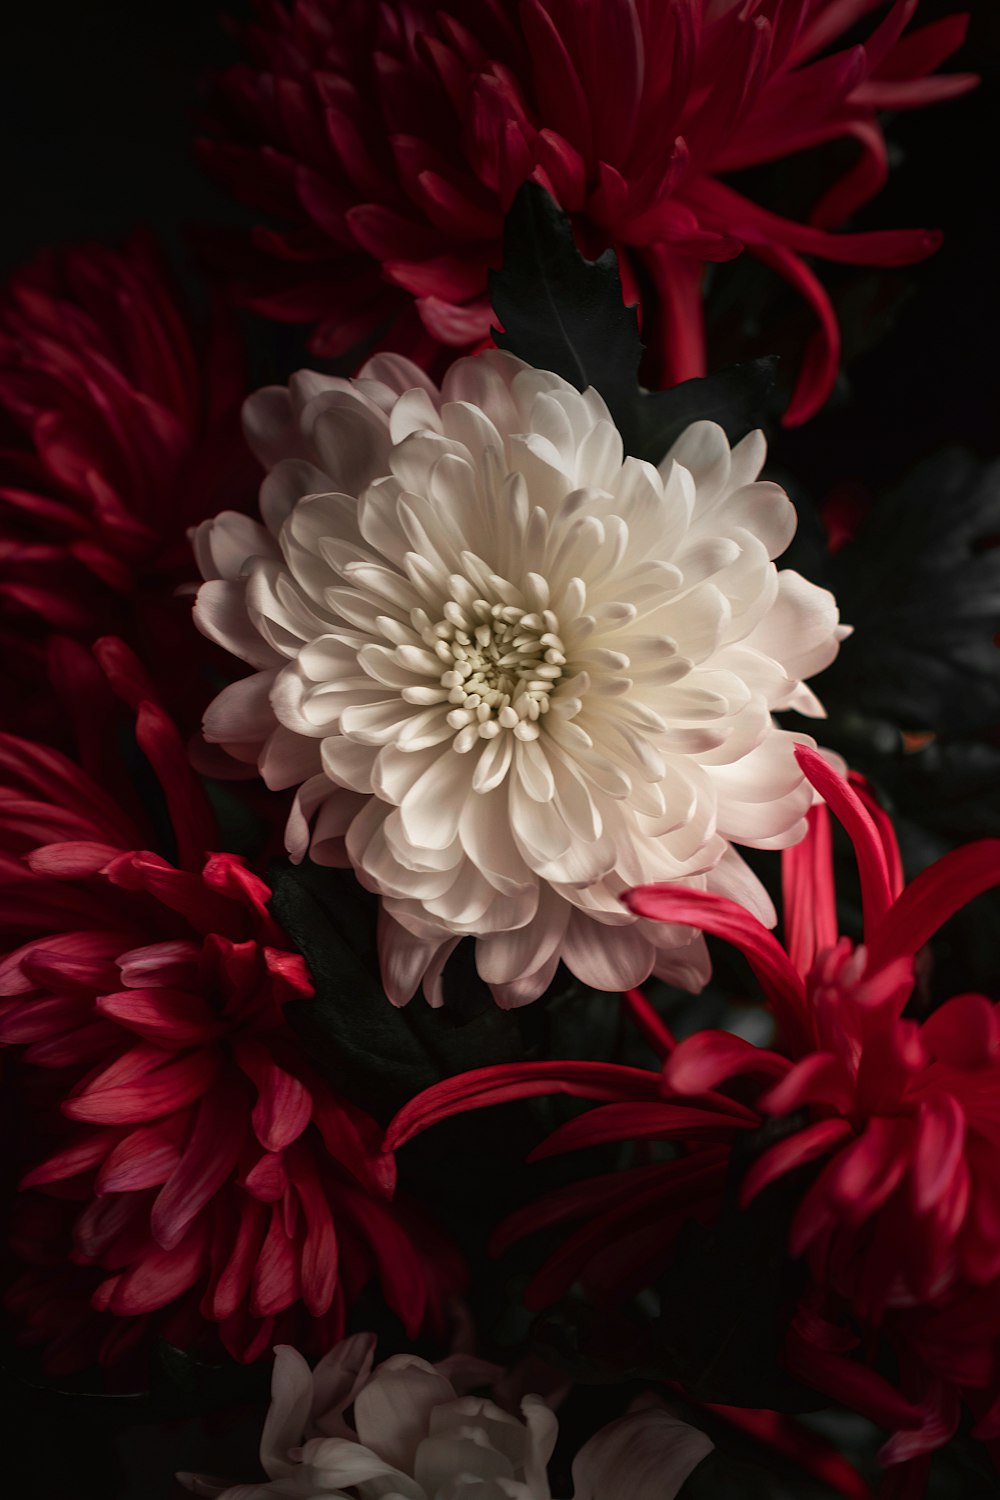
point(384, 143)
point(119, 429)
point(900, 1226)
point(189, 1174)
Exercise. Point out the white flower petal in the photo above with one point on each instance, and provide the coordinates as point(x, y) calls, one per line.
point(393, 1410)
point(605, 957)
point(269, 425)
point(703, 450)
point(415, 411)
point(291, 1404)
point(645, 1456)
point(337, 1464)
point(457, 1468)
point(397, 373)
point(220, 613)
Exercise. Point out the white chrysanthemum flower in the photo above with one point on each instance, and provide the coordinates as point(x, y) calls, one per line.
point(512, 673)
point(413, 1436)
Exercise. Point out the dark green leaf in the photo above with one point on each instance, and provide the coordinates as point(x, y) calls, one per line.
point(921, 586)
point(559, 311)
point(377, 1054)
point(564, 313)
point(738, 399)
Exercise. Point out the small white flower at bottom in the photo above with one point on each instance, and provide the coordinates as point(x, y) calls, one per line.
point(415, 1437)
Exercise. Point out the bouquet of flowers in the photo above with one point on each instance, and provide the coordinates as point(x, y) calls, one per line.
point(498, 991)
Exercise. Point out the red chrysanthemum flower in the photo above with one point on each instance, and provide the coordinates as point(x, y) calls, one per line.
point(119, 429)
point(900, 1226)
point(189, 1174)
point(386, 142)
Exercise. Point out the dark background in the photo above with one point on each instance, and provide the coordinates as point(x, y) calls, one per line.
point(98, 102)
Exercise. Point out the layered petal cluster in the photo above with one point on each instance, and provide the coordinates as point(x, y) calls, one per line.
point(189, 1175)
point(386, 142)
point(408, 1428)
point(119, 428)
point(899, 1216)
point(512, 673)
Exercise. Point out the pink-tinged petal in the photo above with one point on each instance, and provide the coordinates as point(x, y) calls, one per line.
point(445, 276)
point(160, 1276)
point(869, 849)
point(267, 1180)
point(236, 1244)
point(760, 229)
point(821, 359)
point(319, 1253)
point(36, 1018)
point(935, 895)
point(799, 1149)
point(229, 876)
point(246, 1338)
point(645, 1456)
point(623, 1122)
point(864, 1175)
point(355, 1140)
point(861, 182)
point(290, 973)
point(106, 1226)
point(936, 1154)
point(76, 1049)
point(819, 1078)
point(922, 51)
point(71, 861)
point(882, 821)
point(941, 1410)
point(454, 324)
point(172, 1018)
point(497, 1085)
point(389, 235)
point(284, 1105)
point(702, 1061)
point(74, 1160)
point(209, 1156)
point(560, 90)
point(400, 1271)
point(808, 893)
point(81, 960)
point(57, 780)
point(964, 1032)
point(725, 919)
point(173, 964)
point(182, 892)
point(141, 1086)
point(275, 1279)
point(145, 1158)
point(914, 93)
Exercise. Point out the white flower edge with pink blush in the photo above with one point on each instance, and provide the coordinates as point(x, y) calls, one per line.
point(511, 672)
point(415, 1436)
